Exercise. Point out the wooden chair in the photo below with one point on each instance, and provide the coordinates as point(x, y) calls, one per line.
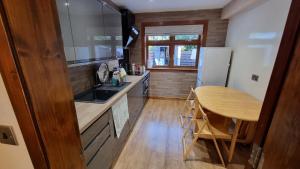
point(205, 130)
point(187, 112)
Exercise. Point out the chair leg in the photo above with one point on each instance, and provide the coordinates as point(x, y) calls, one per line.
point(184, 117)
point(218, 150)
point(189, 148)
point(181, 115)
point(187, 119)
point(180, 120)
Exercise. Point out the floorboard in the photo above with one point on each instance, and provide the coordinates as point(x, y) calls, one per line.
point(155, 143)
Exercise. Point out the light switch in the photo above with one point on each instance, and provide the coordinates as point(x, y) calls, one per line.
point(7, 135)
point(254, 77)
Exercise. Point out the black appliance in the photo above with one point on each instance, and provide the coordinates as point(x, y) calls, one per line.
point(130, 34)
point(146, 84)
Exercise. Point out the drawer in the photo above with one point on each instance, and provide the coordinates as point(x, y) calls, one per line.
point(103, 158)
point(95, 145)
point(90, 133)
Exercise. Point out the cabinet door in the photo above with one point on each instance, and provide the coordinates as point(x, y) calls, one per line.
point(113, 30)
point(133, 107)
point(103, 158)
point(87, 28)
point(140, 97)
point(64, 20)
point(135, 103)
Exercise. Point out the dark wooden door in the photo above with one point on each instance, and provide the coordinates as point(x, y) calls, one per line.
point(282, 145)
point(34, 70)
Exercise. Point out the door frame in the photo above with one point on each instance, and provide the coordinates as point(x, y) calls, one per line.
point(280, 70)
point(35, 75)
point(13, 81)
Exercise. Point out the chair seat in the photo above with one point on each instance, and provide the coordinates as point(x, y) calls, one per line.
point(221, 133)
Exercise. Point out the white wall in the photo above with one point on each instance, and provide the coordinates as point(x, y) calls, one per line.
point(12, 157)
point(255, 37)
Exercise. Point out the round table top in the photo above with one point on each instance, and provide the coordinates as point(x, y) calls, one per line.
point(229, 102)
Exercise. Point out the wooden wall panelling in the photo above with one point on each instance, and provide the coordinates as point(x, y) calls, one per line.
point(216, 36)
point(216, 33)
point(36, 35)
point(171, 84)
point(82, 77)
point(200, 42)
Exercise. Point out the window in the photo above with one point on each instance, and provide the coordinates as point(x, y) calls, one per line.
point(185, 55)
point(186, 37)
point(172, 47)
point(172, 51)
point(159, 37)
point(158, 56)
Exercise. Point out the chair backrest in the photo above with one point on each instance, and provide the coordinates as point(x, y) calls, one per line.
point(191, 94)
point(203, 114)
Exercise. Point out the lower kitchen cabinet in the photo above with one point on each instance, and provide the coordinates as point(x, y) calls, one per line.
point(98, 142)
point(120, 142)
point(103, 157)
point(137, 98)
point(101, 145)
point(135, 103)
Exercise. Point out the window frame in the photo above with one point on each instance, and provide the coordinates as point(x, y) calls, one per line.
point(201, 41)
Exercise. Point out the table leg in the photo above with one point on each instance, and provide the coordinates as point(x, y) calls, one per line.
point(234, 139)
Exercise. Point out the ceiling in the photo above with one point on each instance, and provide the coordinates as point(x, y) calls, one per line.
point(140, 6)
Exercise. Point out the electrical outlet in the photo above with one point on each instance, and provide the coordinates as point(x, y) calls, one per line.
point(254, 77)
point(7, 135)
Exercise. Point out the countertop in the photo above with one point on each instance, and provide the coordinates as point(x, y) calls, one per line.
point(87, 113)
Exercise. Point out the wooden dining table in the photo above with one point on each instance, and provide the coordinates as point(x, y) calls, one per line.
point(230, 103)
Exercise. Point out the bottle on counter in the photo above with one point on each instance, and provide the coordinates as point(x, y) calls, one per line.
point(123, 75)
point(138, 70)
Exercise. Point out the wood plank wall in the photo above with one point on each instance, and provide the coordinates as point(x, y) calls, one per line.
point(82, 77)
point(171, 84)
point(179, 82)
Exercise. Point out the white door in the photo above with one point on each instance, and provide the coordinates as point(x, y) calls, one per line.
point(215, 64)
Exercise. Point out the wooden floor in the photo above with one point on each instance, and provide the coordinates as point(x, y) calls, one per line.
point(155, 142)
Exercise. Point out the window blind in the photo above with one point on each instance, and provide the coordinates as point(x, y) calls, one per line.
point(174, 30)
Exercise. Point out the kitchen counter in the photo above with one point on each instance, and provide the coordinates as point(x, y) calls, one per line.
point(87, 113)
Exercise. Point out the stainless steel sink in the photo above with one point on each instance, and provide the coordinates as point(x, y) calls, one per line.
point(100, 94)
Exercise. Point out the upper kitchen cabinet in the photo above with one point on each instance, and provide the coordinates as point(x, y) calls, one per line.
point(91, 30)
point(87, 28)
point(113, 29)
point(64, 19)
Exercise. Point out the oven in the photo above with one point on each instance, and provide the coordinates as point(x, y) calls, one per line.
point(146, 86)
